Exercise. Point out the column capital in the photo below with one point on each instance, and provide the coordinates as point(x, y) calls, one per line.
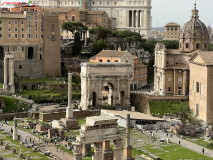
point(117, 143)
point(98, 146)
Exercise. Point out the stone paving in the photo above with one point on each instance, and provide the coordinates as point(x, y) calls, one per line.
point(187, 144)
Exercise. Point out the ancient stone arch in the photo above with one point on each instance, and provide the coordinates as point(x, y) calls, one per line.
point(96, 76)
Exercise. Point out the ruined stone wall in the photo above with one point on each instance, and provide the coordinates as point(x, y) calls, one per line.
point(10, 116)
point(61, 114)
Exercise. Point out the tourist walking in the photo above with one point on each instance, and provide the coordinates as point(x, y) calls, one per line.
point(179, 142)
point(203, 150)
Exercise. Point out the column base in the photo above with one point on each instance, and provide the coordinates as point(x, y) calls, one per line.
point(70, 123)
point(128, 153)
point(12, 88)
point(5, 87)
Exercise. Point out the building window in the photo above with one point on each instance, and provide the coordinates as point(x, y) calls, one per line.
point(0, 22)
point(169, 79)
point(30, 53)
point(22, 48)
point(116, 60)
point(73, 18)
point(0, 35)
point(16, 22)
point(100, 60)
point(22, 35)
point(16, 35)
point(197, 46)
point(0, 28)
point(29, 36)
point(36, 36)
point(20, 67)
point(9, 36)
point(197, 109)
point(9, 22)
point(179, 80)
point(206, 46)
point(41, 35)
point(22, 22)
point(9, 29)
point(197, 87)
point(22, 29)
point(169, 89)
point(40, 57)
point(16, 29)
point(108, 60)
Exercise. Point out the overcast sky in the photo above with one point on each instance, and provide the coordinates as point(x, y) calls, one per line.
point(164, 11)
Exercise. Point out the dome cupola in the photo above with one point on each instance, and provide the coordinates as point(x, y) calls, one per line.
point(194, 34)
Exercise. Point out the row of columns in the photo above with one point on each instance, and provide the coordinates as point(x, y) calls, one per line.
point(138, 18)
point(99, 149)
point(9, 69)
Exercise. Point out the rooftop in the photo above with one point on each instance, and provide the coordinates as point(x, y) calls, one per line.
point(133, 115)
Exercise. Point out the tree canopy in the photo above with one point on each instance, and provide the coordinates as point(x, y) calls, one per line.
point(74, 27)
point(98, 46)
point(101, 32)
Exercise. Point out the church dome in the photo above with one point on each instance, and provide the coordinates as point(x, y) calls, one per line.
point(194, 34)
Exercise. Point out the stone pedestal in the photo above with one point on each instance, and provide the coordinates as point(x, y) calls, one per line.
point(1, 142)
point(13, 151)
point(98, 146)
point(128, 153)
point(70, 123)
point(15, 134)
point(7, 147)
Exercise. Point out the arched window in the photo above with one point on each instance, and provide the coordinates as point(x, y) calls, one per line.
point(187, 45)
point(30, 53)
point(73, 18)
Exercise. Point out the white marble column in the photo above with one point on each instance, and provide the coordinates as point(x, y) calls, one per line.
point(77, 151)
point(117, 149)
point(5, 74)
point(11, 68)
point(136, 18)
point(127, 18)
point(69, 110)
point(163, 83)
point(132, 18)
point(145, 19)
point(98, 149)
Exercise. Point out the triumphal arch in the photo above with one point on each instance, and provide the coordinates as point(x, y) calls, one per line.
point(105, 84)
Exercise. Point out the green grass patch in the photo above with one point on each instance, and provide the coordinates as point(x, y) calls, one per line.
point(26, 151)
point(1, 85)
point(50, 96)
point(175, 152)
point(164, 107)
point(13, 104)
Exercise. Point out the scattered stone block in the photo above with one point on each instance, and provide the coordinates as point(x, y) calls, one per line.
point(28, 158)
point(1, 158)
point(7, 147)
point(1, 142)
point(13, 150)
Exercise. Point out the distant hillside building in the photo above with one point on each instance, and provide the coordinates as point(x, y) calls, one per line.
point(172, 31)
point(171, 73)
point(140, 70)
point(33, 38)
point(130, 15)
point(89, 18)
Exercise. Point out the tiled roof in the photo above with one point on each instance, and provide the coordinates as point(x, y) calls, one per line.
point(206, 56)
point(111, 53)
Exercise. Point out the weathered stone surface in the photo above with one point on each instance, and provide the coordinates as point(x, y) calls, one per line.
point(100, 120)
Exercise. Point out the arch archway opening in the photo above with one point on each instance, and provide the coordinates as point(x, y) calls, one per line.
point(122, 97)
point(30, 53)
point(107, 94)
point(94, 99)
